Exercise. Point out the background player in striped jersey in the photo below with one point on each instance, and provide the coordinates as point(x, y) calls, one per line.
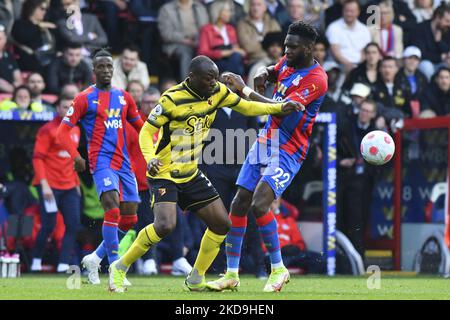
point(264, 177)
point(183, 118)
point(102, 111)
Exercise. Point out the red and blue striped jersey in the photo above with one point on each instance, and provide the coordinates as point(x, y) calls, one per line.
point(307, 86)
point(102, 115)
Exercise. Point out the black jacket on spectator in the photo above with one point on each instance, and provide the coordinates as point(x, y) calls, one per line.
point(424, 40)
point(359, 75)
point(60, 74)
point(24, 32)
point(400, 98)
point(421, 83)
point(7, 67)
point(437, 100)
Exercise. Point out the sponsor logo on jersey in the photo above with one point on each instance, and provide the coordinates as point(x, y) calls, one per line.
point(196, 125)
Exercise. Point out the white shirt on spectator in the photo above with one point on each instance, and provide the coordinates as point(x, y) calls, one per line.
point(350, 39)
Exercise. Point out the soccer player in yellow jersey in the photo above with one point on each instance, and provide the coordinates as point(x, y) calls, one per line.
point(183, 117)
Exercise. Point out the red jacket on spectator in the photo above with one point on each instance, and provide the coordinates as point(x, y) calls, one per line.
point(211, 40)
point(51, 161)
point(288, 231)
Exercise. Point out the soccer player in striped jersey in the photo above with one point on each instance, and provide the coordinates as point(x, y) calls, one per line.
point(264, 178)
point(183, 118)
point(102, 111)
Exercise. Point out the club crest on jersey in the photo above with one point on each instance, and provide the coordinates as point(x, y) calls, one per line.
point(297, 80)
point(107, 181)
point(122, 100)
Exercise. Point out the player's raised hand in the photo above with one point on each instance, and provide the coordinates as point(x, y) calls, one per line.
point(79, 164)
point(291, 106)
point(153, 167)
point(259, 81)
point(233, 80)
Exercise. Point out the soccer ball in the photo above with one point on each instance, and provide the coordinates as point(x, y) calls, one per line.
point(377, 147)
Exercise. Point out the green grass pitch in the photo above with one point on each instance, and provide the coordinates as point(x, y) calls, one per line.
point(53, 287)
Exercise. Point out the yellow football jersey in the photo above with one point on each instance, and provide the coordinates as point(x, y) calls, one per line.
point(183, 119)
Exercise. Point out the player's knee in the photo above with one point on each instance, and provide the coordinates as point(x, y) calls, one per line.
point(164, 227)
point(222, 226)
point(241, 203)
point(259, 208)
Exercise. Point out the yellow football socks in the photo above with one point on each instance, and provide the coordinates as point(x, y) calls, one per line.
point(209, 248)
point(146, 238)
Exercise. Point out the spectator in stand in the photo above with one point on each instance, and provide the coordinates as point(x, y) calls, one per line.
point(348, 36)
point(437, 96)
point(387, 35)
point(70, 68)
point(146, 12)
point(273, 46)
point(252, 29)
point(321, 48)
point(293, 247)
point(82, 29)
point(237, 9)
point(58, 187)
point(296, 12)
point(111, 9)
point(391, 92)
point(10, 76)
point(20, 101)
point(128, 67)
point(136, 89)
point(218, 40)
point(423, 10)
point(403, 17)
point(166, 84)
point(432, 37)
point(358, 94)
point(366, 72)
point(179, 23)
point(32, 37)
point(446, 62)
point(277, 10)
point(36, 84)
point(334, 12)
point(335, 80)
point(354, 175)
point(409, 75)
point(70, 90)
point(9, 12)
point(149, 100)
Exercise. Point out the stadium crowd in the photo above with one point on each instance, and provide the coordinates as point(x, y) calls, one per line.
point(381, 69)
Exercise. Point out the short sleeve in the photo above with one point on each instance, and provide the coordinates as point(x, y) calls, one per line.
point(160, 114)
point(76, 111)
point(132, 111)
point(280, 63)
point(310, 90)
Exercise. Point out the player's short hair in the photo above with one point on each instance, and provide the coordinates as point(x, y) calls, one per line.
point(303, 30)
point(101, 52)
point(198, 62)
